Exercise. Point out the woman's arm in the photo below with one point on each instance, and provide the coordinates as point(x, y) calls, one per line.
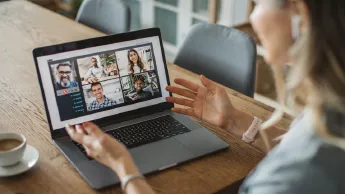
point(125, 167)
point(210, 102)
point(109, 152)
point(239, 124)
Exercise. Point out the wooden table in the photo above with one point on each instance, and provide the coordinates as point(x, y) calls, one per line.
point(24, 26)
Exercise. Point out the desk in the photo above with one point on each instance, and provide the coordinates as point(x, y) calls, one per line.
point(24, 26)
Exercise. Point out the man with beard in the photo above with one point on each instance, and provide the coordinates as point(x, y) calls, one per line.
point(101, 100)
point(64, 77)
point(139, 92)
point(95, 72)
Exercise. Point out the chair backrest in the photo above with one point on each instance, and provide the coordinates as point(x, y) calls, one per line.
point(224, 55)
point(108, 16)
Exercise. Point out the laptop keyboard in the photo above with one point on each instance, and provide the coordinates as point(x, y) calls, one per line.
point(146, 132)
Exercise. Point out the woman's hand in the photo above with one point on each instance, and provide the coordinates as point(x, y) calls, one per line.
point(103, 148)
point(208, 102)
point(109, 152)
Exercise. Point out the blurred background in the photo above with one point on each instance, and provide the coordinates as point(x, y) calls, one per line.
point(175, 17)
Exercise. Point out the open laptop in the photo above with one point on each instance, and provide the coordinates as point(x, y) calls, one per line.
point(118, 82)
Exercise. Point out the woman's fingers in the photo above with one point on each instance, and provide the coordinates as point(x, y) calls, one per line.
point(109, 143)
point(181, 92)
point(88, 152)
point(79, 129)
point(187, 84)
point(180, 101)
point(78, 137)
point(207, 83)
point(72, 131)
point(92, 129)
point(189, 112)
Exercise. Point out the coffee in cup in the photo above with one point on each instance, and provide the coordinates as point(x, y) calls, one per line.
point(9, 144)
point(12, 147)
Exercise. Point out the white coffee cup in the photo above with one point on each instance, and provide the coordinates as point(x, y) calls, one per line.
point(13, 156)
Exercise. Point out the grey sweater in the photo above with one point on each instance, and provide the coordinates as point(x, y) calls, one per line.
point(302, 162)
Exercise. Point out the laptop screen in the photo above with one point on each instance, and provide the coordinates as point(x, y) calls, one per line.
point(96, 82)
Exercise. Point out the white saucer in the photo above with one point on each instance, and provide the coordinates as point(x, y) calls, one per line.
point(28, 161)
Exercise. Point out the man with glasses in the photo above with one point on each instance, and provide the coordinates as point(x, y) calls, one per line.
point(101, 100)
point(64, 77)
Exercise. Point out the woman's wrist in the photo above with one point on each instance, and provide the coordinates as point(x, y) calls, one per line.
point(124, 166)
point(272, 133)
point(239, 122)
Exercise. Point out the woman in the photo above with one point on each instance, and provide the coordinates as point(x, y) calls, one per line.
point(310, 158)
point(135, 63)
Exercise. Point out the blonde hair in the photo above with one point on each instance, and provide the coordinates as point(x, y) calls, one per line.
point(316, 79)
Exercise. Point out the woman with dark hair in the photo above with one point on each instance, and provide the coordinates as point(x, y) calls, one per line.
point(135, 63)
point(309, 36)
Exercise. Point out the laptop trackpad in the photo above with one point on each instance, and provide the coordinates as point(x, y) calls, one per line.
point(160, 154)
point(201, 141)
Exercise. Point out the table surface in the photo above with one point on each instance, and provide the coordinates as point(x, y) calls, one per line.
point(25, 26)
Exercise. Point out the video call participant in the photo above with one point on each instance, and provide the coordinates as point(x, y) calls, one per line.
point(95, 72)
point(134, 62)
point(64, 77)
point(139, 91)
point(101, 100)
point(111, 69)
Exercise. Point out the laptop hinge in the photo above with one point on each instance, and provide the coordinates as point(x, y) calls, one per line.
point(148, 111)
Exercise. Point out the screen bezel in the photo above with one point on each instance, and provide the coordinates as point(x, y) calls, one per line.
point(100, 41)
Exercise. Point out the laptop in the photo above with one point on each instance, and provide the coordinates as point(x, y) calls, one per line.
point(118, 82)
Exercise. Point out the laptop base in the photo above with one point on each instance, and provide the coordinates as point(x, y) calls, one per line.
point(151, 157)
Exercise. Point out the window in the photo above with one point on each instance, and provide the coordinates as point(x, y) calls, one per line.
point(169, 2)
point(167, 21)
point(200, 7)
point(175, 17)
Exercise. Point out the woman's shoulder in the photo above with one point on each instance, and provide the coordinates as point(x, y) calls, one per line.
point(291, 177)
point(296, 171)
point(303, 163)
